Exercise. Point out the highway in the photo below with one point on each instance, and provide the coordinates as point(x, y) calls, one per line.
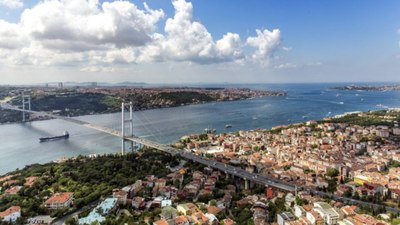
point(228, 169)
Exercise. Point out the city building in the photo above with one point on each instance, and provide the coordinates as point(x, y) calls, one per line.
point(285, 217)
point(60, 200)
point(11, 214)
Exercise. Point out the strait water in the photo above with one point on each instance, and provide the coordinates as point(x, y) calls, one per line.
point(19, 143)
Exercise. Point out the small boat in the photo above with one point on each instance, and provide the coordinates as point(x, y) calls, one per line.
point(228, 125)
point(64, 136)
point(341, 103)
point(210, 131)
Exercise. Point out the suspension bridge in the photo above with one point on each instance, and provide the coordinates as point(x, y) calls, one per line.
point(127, 136)
point(237, 172)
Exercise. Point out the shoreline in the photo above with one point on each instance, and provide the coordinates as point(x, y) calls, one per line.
point(284, 94)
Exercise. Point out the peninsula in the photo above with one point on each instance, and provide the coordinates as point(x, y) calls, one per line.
point(78, 101)
point(392, 87)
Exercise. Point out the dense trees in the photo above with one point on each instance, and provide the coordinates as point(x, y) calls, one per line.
point(87, 178)
point(371, 118)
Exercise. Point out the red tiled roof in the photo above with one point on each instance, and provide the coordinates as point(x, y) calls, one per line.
point(228, 222)
point(181, 219)
point(13, 190)
point(161, 222)
point(5, 178)
point(60, 197)
point(213, 210)
point(29, 181)
point(9, 211)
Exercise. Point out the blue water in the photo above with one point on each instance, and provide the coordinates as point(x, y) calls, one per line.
point(20, 142)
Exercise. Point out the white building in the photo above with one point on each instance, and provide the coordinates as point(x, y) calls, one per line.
point(11, 214)
point(285, 217)
point(299, 211)
point(60, 200)
point(330, 215)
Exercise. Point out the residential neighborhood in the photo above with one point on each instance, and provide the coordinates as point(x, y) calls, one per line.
point(354, 161)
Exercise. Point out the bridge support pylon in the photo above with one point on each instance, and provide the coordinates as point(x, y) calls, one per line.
point(124, 132)
point(26, 101)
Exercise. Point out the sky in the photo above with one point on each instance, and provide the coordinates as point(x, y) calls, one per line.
point(199, 41)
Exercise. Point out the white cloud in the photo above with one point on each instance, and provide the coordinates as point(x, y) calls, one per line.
point(314, 64)
point(95, 69)
point(189, 40)
point(265, 43)
point(13, 4)
point(92, 36)
point(84, 24)
point(286, 66)
point(10, 35)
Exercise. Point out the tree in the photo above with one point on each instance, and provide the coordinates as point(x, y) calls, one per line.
point(300, 201)
point(348, 193)
point(332, 184)
point(332, 172)
point(71, 221)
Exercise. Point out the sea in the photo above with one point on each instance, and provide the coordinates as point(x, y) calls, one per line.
point(20, 146)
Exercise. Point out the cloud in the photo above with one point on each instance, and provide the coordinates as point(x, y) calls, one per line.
point(314, 64)
point(286, 66)
point(90, 35)
point(10, 35)
point(189, 40)
point(94, 69)
point(265, 43)
point(12, 4)
point(79, 25)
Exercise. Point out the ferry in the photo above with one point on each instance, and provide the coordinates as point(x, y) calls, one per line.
point(64, 136)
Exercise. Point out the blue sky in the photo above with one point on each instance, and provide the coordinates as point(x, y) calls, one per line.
point(201, 41)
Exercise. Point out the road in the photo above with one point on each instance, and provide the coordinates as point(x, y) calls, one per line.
point(351, 201)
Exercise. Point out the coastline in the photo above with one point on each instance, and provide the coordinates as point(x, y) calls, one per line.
point(170, 123)
point(281, 94)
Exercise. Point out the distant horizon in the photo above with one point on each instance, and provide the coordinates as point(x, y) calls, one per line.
point(196, 83)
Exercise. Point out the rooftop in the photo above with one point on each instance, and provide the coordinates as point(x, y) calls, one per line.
point(61, 197)
point(10, 211)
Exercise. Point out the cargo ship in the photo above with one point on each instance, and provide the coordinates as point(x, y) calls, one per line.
point(64, 136)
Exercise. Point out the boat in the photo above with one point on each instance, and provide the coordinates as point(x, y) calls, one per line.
point(228, 125)
point(210, 131)
point(64, 136)
point(341, 103)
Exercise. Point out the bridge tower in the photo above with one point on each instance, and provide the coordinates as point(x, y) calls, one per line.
point(124, 131)
point(26, 101)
